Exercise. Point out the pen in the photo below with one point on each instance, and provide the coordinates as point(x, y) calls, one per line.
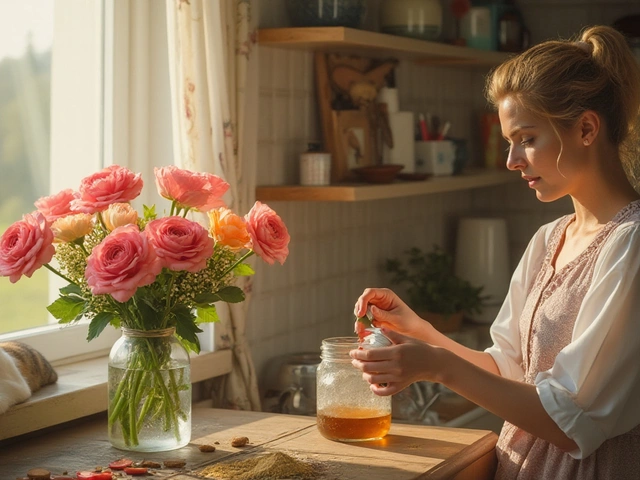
point(444, 130)
point(424, 130)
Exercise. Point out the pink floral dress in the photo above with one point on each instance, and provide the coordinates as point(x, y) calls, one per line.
point(578, 341)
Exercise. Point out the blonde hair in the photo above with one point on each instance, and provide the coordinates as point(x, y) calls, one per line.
point(561, 79)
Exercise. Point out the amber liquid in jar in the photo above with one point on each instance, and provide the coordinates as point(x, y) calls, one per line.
point(352, 424)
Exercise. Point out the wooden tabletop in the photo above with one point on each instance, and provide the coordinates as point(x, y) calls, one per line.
point(407, 452)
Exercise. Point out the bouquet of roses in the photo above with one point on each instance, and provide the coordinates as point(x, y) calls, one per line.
point(142, 272)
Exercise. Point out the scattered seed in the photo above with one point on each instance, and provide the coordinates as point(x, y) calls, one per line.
point(207, 448)
point(239, 441)
point(150, 464)
point(175, 463)
point(38, 474)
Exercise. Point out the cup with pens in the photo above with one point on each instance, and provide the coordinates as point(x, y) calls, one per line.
point(435, 154)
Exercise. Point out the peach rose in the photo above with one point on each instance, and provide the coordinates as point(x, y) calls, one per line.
point(56, 206)
point(114, 184)
point(73, 227)
point(25, 246)
point(180, 243)
point(119, 214)
point(269, 235)
point(229, 229)
point(121, 263)
point(201, 191)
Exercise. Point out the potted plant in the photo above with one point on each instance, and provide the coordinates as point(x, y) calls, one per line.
point(434, 291)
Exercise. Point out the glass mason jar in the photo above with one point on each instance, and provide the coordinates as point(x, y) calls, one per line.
point(149, 391)
point(347, 409)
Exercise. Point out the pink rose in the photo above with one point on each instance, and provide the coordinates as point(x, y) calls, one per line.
point(202, 191)
point(56, 206)
point(269, 235)
point(114, 184)
point(121, 263)
point(180, 243)
point(26, 246)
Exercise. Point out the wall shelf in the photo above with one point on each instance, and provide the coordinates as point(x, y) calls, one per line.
point(363, 41)
point(358, 192)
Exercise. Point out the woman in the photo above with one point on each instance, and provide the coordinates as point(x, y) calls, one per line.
point(564, 369)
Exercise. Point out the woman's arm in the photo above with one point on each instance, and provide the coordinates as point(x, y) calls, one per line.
point(397, 366)
point(390, 312)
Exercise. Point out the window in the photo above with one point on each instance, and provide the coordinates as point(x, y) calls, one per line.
point(51, 136)
point(109, 102)
point(26, 38)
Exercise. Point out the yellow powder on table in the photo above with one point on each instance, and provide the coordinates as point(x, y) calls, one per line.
point(271, 466)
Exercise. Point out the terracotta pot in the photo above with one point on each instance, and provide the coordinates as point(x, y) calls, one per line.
point(443, 323)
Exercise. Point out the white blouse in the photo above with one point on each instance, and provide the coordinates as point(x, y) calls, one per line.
point(592, 391)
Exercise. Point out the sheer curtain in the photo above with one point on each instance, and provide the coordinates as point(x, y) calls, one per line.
point(213, 75)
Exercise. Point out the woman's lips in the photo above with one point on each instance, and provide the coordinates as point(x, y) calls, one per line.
point(531, 180)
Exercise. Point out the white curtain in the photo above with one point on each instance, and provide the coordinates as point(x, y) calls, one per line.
point(213, 74)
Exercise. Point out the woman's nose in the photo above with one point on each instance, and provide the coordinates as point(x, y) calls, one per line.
point(515, 159)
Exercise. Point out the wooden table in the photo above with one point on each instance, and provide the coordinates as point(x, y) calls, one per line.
point(407, 452)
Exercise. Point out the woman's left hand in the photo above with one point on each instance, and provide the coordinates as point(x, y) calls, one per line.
point(391, 369)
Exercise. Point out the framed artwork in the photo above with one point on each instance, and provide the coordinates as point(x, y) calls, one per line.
point(353, 143)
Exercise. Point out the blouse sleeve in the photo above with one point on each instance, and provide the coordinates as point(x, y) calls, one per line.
point(593, 388)
point(505, 330)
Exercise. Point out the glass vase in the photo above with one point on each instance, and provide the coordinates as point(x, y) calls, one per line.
point(149, 391)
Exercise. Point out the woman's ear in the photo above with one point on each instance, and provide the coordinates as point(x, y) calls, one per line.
point(589, 124)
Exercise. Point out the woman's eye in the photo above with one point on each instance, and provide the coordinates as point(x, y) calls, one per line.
point(526, 142)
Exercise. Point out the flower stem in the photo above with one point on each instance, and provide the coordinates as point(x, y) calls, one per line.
point(59, 273)
point(238, 262)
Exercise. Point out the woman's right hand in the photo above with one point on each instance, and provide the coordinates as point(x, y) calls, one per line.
point(389, 311)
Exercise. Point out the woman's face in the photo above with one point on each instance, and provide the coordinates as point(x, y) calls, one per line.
point(534, 149)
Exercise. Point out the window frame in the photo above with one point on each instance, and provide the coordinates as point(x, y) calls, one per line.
point(105, 111)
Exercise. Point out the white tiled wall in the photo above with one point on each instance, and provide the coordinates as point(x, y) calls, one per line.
point(337, 248)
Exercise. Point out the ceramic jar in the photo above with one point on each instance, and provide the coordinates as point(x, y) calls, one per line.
point(347, 410)
point(420, 19)
point(326, 13)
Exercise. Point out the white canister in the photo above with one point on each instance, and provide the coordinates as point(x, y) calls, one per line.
point(315, 167)
point(482, 258)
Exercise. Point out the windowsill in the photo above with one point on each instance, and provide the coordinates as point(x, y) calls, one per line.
point(81, 390)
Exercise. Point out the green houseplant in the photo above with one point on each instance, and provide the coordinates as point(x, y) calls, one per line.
point(434, 291)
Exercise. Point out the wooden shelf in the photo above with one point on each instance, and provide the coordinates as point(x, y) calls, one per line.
point(358, 192)
point(363, 41)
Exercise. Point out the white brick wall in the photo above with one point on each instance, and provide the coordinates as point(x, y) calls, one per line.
point(337, 248)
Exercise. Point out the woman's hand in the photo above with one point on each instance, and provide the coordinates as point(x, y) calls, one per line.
point(390, 312)
point(392, 369)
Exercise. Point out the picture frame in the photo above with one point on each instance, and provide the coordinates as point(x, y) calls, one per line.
point(353, 148)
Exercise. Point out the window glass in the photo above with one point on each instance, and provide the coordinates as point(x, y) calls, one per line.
point(26, 39)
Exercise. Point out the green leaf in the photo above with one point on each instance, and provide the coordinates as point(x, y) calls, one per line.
point(98, 324)
point(231, 294)
point(206, 314)
point(71, 289)
point(187, 329)
point(243, 270)
point(67, 309)
point(207, 298)
point(149, 212)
